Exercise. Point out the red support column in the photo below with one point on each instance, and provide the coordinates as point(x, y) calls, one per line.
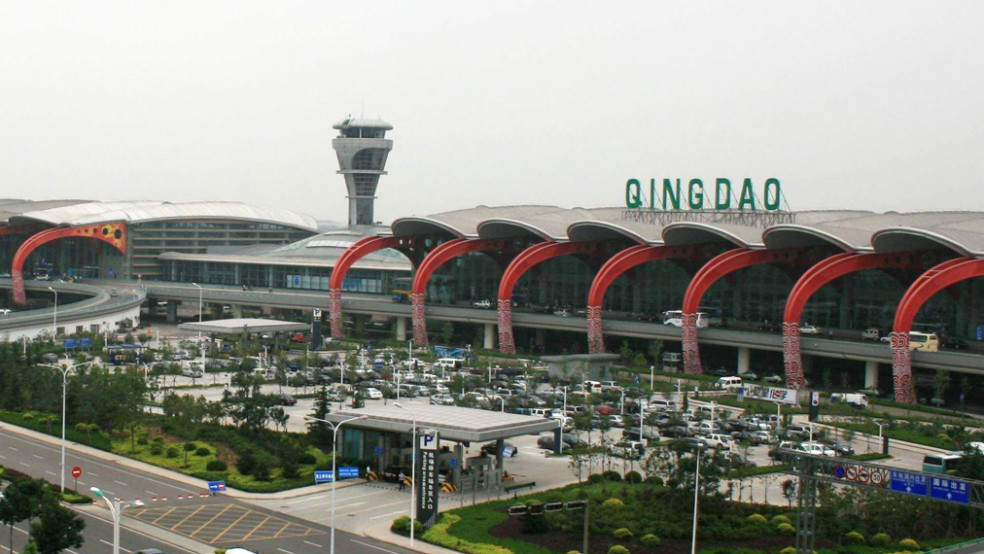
point(358, 250)
point(112, 233)
point(536, 254)
point(615, 266)
point(925, 287)
point(437, 257)
point(809, 283)
point(723, 264)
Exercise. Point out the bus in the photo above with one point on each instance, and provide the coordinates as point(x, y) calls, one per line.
point(941, 463)
point(927, 342)
point(675, 318)
point(401, 289)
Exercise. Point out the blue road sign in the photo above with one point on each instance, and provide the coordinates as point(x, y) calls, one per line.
point(70, 344)
point(322, 477)
point(216, 486)
point(839, 472)
point(348, 472)
point(909, 483)
point(980, 333)
point(454, 462)
point(378, 450)
point(85, 343)
point(952, 490)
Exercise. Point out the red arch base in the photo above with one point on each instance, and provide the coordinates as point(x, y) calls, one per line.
point(443, 253)
point(926, 286)
point(111, 233)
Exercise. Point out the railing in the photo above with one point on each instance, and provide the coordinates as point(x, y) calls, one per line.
point(100, 303)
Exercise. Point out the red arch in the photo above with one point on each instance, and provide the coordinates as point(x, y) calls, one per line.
point(615, 266)
point(111, 233)
point(355, 252)
point(721, 265)
point(928, 284)
point(447, 251)
point(536, 254)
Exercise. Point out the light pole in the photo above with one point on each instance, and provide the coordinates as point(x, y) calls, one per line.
point(54, 323)
point(117, 511)
point(200, 345)
point(413, 471)
point(693, 539)
point(334, 475)
point(64, 371)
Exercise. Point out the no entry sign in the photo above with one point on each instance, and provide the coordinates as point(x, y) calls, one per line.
point(76, 472)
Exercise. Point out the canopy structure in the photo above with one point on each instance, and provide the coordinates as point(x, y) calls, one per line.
point(451, 422)
point(236, 326)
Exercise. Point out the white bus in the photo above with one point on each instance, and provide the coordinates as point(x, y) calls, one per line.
point(675, 319)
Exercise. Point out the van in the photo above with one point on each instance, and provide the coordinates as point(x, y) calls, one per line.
point(729, 383)
point(940, 463)
point(447, 363)
point(856, 400)
point(592, 386)
point(927, 342)
point(674, 318)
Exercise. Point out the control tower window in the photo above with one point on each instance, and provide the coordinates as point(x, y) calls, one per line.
point(370, 158)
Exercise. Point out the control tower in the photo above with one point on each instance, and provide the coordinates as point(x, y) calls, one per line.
point(362, 148)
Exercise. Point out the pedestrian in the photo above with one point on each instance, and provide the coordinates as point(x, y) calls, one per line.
point(403, 485)
point(830, 333)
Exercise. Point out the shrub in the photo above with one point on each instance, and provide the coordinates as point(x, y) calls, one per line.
point(202, 451)
point(633, 477)
point(142, 440)
point(595, 478)
point(306, 458)
point(623, 533)
point(172, 452)
point(401, 526)
point(573, 552)
point(612, 503)
point(158, 440)
point(28, 416)
point(786, 529)
point(780, 519)
point(246, 463)
point(881, 539)
point(216, 465)
point(788, 550)
point(649, 540)
point(909, 545)
point(618, 549)
point(190, 446)
point(854, 537)
point(655, 480)
point(757, 518)
point(611, 475)
point(156, 449)
point(531, 523)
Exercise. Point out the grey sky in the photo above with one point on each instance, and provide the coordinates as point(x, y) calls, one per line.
point(871, 105)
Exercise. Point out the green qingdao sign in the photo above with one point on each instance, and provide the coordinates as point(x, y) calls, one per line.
point(675, 195)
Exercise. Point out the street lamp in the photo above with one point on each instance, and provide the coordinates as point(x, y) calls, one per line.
point(64, 371)
point(413, 471)
point(54, 323)
point(334, 476)
point(200, 345)
point(693, 539)
point(117, 511)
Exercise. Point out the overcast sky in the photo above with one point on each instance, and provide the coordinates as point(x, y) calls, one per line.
point(870, 105)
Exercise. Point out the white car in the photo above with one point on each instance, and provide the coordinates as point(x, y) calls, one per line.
point(483, 304)
point(808, 329)
point(374, 394)
point(720, 442)
point(442, 400)
point(817, 449)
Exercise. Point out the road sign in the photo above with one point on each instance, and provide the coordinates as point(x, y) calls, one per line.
point(323, 477)
point(863, 475)
point(851, 473)
point(378, 450)
point(909, 483)
point(216, 486)
point(317, 313)
point(348, 472)
point(839, 472)
point(951, 490)
point(454, 462)
point(427, 497)
point(76, 472)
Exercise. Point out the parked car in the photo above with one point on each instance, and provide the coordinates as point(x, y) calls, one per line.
point(509, 450)
point(690, 443)
point(749, 376)
point(807, 329)
point(954, 343)
point(548, 443)
point(485, 303)
point(442, 400)
point(817, 449)
point(797, 431)
point(287, 400)
point(774, 379)
point(839, 447)
point(718, 441)
point(627, 449)
point(871, 333)
point(374, 394)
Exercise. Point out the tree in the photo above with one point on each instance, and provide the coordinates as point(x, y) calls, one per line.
point(447, 332)
point(319, 430)
point(789, 491)
point(189, 447)
point(58, 528)
point(655, 349)
point(941, 382)
point(20, 502)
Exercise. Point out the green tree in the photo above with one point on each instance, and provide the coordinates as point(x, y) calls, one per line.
point(655, 350)
point(447, 332)
point(21, 501)
point(57, 528)
point(320, 431)
point(941, 382)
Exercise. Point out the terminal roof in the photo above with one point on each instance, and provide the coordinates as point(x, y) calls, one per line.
point(452, 422)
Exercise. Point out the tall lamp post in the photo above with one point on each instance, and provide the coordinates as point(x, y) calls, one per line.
point(200, 345)
point(413, 471)
point(54, 323)
point(693, 540)
point(116, 509)
point(64, 371)
point(334, 475)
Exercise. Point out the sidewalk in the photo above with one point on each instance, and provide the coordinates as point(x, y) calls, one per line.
point(151, 469)
point(381, 532)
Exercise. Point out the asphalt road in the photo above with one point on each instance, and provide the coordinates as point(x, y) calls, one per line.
point(190, 524)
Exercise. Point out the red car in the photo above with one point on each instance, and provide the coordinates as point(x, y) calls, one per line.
point(605, 410)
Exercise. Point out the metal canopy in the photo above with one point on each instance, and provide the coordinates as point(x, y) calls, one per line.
point(235, 326)
point(452, 422)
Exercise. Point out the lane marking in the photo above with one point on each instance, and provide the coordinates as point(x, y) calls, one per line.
point(314, 544)
point(387, 515)
point(51, 473)
point(210, 521)
point(128, 529)
point(14, 449)
point(373, 546)
point(120, 483)
point(257, 528)
point(38, 457)
point(227, 529)
point(287, 551)
point(162, 516)
point(111, 544)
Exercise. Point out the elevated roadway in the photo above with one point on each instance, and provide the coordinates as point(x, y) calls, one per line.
point(376, 305)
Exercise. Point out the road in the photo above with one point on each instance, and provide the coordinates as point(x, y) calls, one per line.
point(182, 518)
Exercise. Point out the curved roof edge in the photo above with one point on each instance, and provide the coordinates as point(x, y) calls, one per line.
point(789, 235)
point(601, 230)
point(409, 226)
point(690, 232)
point(497, 228)
point(901, 239)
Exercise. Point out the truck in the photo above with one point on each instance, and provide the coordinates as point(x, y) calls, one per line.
point(855, 399)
